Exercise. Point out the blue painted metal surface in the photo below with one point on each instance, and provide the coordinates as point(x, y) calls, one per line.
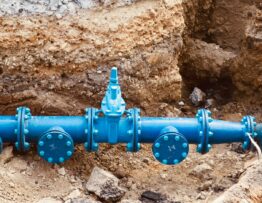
point(55, 136)
point(170, 147)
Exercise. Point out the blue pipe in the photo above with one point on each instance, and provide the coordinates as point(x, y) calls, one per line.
point(55, 136)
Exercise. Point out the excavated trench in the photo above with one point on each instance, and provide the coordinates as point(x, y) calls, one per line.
point(55, 57)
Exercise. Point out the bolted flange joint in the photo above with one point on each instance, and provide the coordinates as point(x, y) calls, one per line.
point(90, 144)
point(135, 132)
point(249, 125)
point(23, 115)
point(204, 119)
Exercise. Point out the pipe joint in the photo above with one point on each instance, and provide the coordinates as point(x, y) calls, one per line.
point(90, 117)
point(133, 145)
point(204, 130)
point(23, 114)
point(249, 127)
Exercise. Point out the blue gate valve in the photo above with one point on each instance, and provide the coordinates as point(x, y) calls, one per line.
point(56, 136)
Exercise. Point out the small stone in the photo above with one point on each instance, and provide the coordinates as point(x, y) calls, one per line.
point(202, 195)
point(11, 184)
point(83, 200)
point(105, 185)
point(163, 175)
point(197, 97)
point(74, 194)
point(120, 173)
point(152, 196)
point(146, 160)
point(205, 185)
point(201, 170)
point(181, 103)
point(130, 201)
point(61, 171)
point(53, 4)
point(210, 103)
point(86, 3)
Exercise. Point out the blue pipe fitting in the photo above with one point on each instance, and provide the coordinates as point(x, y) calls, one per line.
point(22, 116)
point(204, 119)
point(249, 126)
point(90, 117)
point(56, 136)
point(55, 145)
point(135, 131)
point(171, 147)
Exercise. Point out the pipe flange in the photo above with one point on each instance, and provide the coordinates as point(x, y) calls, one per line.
point(170, 148)
point(22, 116)
point(249, 124)
point(134, 116)
point(55, 146)
point(204, 119)
point(90, 145)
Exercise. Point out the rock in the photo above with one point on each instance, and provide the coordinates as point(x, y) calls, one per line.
point(248, 187)
point(163, 175)
point(150, 196)
point(74, 194)
point(49, 200)
point(205, 185)
point(83, 200)
point(105, 185)
point(53, 4)
point(130, 201)
point(7, 154)
point(222, 184)
point(201, 195)
point(197, 97)
point(201, 170)
point(86, 3)
point(210, 103)
point(61, 171)
point(120, 173)
point(181, 103)
point(146, 160)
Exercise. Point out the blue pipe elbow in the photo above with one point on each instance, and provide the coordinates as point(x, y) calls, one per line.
point(55, 136)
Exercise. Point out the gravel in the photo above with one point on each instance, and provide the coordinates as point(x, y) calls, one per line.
point(54, 7)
